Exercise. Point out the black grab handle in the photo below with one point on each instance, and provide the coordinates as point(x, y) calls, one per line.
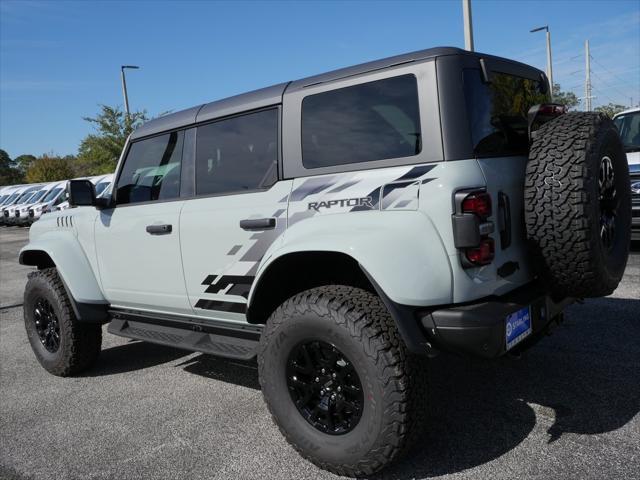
point(159, 229)
point(258, 223)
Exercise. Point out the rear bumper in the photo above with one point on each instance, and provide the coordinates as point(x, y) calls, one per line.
point(478, 328)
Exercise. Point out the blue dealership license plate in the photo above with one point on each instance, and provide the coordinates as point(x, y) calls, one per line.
point(518, 326)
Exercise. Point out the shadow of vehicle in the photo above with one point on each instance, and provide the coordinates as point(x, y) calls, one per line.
point(584, 379)
point(238, 372)
point(133, 355)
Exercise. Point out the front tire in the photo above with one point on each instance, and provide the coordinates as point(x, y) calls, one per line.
point(339, 382)
point(62, 344)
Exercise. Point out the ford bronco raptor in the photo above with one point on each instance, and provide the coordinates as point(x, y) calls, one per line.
point(342, 228)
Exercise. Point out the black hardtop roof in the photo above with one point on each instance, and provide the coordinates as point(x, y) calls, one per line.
point(273, 95)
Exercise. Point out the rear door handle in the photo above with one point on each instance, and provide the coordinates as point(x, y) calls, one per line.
point(159, 229)
point(258, 223)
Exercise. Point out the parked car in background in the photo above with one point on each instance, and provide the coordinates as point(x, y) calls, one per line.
point(55, 196)
point(21, 212)
point(102, 184)
point(628, 123)
point(5, 194)
point(21, 196)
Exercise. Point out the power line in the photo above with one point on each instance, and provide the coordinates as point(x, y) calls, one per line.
point(602, 94)
point(614, 74)
point(625, 94)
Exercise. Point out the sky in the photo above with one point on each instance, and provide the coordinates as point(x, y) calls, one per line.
point(59, 60)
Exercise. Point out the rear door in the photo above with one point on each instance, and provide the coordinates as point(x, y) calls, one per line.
point(238, 211)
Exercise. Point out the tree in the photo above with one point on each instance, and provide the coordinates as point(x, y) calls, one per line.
point(23, 162)
point(99, 152)
point(610, 109)
point(9, 174)
point(569, 99)
point(50, 168)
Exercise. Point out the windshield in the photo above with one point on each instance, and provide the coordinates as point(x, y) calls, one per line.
point(629, 127)
point(101, 186)
point(107, 191)
point(52, 194)
point(37, 196)
point(497, 111)
point(12, 199)
point(25, 198)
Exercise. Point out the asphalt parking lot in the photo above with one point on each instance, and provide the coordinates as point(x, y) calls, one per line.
point(566, 409)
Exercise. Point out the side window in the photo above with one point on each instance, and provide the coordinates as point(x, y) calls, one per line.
point(237, 154)
point(372, 121)
point(151, 170)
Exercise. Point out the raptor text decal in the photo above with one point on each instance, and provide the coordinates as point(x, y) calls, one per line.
point(342, 202)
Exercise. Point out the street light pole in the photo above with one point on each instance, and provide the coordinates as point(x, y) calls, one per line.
point(124, 86)
point(468, 25)
point(549, 63)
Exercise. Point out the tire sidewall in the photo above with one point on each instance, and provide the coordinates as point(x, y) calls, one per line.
point(346, 448)
point(38, 288)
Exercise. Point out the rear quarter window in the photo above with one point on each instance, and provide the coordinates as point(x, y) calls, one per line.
point(372, 121)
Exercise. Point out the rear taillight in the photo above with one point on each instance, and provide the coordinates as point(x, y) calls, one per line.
point(472, 228)
point(478, 203)
point(483, 254)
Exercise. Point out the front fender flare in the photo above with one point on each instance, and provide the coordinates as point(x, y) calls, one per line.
point(74, 269)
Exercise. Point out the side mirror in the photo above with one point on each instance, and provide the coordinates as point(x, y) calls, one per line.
point(81, 193)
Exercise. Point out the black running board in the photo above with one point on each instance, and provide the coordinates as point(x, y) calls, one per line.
point(225, 341)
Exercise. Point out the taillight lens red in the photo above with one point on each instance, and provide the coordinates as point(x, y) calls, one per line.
point(483, 254)
point(478, 203)
point(552, 109)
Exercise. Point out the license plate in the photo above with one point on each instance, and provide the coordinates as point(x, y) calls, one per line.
point(518, 326)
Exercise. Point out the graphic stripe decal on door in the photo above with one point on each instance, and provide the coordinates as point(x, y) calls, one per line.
point(221, 306)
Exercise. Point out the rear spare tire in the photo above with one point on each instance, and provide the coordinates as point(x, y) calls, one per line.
point(578, 204)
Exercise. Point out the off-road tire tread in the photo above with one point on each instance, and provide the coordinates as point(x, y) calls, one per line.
point(83, 340)
point(557, 197)
point(403, 375)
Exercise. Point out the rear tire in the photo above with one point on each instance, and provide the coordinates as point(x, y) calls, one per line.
point(578, 205)
point(62, 344)
point(354, 327)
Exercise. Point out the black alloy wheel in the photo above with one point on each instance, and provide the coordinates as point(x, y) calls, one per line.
point(608, 202)
point(47, 325)
point(324, 387)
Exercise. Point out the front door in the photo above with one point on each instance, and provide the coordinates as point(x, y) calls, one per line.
point(238, 212)
point(137, 241)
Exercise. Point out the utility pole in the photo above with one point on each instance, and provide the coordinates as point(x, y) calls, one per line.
point(587, 83)
point(549, 62)
point(468, 25)
point(124, 86)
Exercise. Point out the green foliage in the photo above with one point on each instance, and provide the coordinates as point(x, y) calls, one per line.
point(50, 168)
point(610, 109)
point(99, 152)
point(513, 96)
point(569, 99)
point(23, 162)
point(9, 174)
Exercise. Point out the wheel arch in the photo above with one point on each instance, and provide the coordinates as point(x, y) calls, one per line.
point(75, 272)
point(317, 268)
point(326, 268)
